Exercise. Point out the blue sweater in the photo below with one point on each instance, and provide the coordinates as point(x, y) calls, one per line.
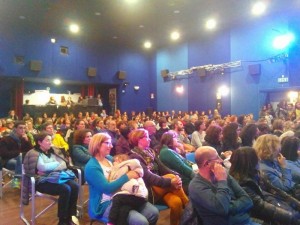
point(99, 185)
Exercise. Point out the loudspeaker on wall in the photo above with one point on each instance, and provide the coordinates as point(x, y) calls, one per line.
point(254, 69)
point(164, 73)
point(202, 72)
point(92, 71)
point(36, 65)
point(121, 75)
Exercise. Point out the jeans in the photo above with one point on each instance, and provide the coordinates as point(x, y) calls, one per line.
point(68, 194)
point(16, 165)
point(145, 215)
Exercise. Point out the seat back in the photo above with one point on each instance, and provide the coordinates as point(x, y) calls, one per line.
point(28, 197)
point(191, 157)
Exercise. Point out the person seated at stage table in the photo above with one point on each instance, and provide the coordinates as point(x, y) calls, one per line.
point(51, 101)
point(70, 102)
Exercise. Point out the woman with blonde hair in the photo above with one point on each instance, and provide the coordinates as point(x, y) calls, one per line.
point(166, 188)
point(97, 171)
point(272, 163)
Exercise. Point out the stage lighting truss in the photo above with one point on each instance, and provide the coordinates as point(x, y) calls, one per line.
point(184, 74)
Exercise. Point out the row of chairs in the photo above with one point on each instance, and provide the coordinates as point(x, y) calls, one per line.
point(33, 194)
point(6, 178)
point(34, 214)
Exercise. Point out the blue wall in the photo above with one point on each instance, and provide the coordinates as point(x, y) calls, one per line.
point(73, 67)
point(250, 43)
point(173, 59)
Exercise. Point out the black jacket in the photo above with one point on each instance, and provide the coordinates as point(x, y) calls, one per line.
point(267, 207)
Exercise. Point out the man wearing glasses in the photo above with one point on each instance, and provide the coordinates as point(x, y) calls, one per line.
point(216, 196)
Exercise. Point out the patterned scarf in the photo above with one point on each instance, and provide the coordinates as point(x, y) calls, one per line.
point(148, 155)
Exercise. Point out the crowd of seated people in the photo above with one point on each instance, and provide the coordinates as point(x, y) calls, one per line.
point(160, 142)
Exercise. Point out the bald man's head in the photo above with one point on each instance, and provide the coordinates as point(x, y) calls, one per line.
point(205, 153)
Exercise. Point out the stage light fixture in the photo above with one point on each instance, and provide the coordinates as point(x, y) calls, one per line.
point(283, 41)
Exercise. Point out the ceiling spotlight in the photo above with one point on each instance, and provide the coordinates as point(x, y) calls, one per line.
point(211, 24)
point(53, 40)
point(74, 28)
point(283, 41)
point(175, 35)
point(97, 14)
point(147, 44)
point(258, 8)
point(57, 81)
point(131, 1)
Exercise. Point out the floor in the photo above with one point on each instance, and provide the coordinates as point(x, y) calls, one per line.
point(9, 211)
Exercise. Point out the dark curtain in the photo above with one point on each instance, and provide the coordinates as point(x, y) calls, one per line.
point(91, 90)
point(18, 98)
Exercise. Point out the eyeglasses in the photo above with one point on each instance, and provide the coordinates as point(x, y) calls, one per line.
point(107, 142)
point(215, 160)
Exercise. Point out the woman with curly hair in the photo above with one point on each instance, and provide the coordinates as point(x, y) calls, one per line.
point(248, 134)
point(273, 166)
point(271, 208)
point(213, 137)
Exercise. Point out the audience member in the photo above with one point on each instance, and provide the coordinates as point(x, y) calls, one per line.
point(290, 147)
point(198, 135)
point(172, 159)
point(166, 188)
point(272, 163)
point(12, 147)
point(149, 125)
point(216, 196)
point(248, 134)
point(122, 145)
point(41, 161)
point(101, 190)
point(133, 194)
point(213, 137)
point(80, 154)
point(270, 208)
point(114, 133)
